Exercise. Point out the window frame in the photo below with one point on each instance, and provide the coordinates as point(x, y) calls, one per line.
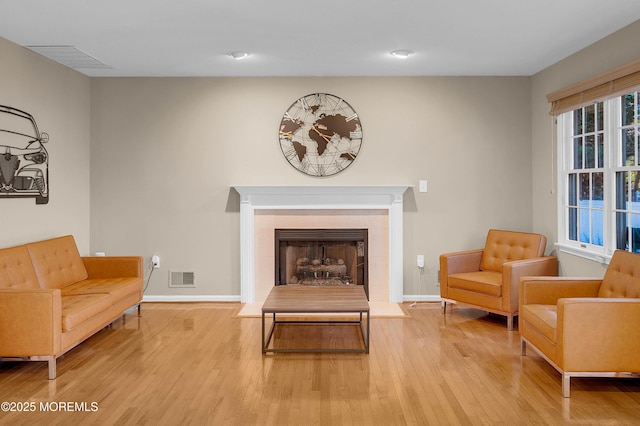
point(612, 153)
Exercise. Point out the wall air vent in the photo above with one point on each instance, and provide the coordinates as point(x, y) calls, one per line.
point(182, 279)
point(70, 57)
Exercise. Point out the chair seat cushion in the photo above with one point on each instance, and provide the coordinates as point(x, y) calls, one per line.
point(543, 318)
point(486, 282)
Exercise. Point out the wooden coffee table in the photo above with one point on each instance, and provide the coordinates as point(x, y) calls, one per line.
point(302, 299)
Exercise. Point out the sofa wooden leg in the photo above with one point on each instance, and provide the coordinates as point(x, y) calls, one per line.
point(444, 307)
point(523, 347)
point(566, 385)
point(52, 367)
point(139, 309)
point(510, 323)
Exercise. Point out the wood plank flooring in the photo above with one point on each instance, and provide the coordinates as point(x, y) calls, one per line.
point(198, 363)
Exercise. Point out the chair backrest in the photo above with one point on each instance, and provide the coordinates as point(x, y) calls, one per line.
point(506, 246)
point(622, 278)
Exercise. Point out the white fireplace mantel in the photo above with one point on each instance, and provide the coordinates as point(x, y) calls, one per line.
point(379, 197)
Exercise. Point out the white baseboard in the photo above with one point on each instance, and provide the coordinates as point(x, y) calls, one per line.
point(421, 298)
point(236, 298)
point(194, 298)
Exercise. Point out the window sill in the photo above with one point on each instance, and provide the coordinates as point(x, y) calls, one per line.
point(584, 253)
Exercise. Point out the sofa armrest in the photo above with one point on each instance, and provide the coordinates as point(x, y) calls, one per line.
point(548, 290)
point(458, 262)
point(599, 334)
point(114, 266)
point(514, 270)
point(30, 322)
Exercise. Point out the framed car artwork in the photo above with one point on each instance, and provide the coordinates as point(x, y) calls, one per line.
point(24, 160)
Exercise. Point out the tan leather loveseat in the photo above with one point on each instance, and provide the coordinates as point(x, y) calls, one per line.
point(51, 299)
point(489, 278)
point(585, 327)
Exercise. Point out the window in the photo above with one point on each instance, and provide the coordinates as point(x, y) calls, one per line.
point(599, 183)
point(627, 175)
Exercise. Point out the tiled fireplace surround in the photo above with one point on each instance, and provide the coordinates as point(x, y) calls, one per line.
point(377, 208)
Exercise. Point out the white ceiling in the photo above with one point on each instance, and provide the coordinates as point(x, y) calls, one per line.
point(316, 38)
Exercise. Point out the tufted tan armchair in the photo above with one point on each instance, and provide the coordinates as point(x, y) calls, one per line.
point(489, 278)
point(585, 327)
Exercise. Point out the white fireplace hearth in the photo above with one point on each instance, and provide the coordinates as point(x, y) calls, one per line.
point(265, 207)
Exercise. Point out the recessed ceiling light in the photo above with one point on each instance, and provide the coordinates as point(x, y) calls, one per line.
point(238, 55)
point(402, 53)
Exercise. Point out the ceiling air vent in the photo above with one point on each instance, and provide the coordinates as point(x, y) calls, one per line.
point(69, 56)
point(182, 279)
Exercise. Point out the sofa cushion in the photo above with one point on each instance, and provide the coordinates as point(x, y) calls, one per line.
point(622, 278)
point(486, 282)
point(505, 246)
point(16, 271)
point(77, 308)
point(57, 262)
point(116, 287)
point(543, 318)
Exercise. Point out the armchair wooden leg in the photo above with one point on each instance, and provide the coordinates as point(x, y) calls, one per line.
point(523, 347)
point(444, 307)
point(566, 385)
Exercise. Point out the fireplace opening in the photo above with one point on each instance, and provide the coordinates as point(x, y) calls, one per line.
point(322, 257)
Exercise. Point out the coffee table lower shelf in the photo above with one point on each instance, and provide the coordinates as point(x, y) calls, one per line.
point(301, 300)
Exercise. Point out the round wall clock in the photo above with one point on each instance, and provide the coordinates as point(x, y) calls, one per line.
point(320, 134)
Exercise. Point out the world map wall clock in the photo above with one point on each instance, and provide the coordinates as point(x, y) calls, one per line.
point(320, 134)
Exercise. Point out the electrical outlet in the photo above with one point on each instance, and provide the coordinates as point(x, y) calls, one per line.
point(420, 261)
point(438, 278)
point(155, 261)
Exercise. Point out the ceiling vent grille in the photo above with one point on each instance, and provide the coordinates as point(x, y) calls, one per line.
point(182, 279)
point(70, 57)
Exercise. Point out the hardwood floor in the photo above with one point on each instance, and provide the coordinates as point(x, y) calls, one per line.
point(198, 363)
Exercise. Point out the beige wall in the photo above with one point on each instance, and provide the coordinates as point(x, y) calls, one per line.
point(165, 150)
point(617, 49)
point(58, 98)
point(155, 177)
